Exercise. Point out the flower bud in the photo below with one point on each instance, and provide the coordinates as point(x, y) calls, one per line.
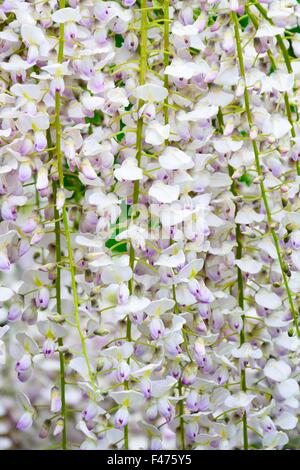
point(55, 400)
point(14, 312)
point(4, 262)
point(295, 240)
point(25, 171)
point(191, 431)
point(49, 347)
point(189, 374)
point(123, 371)
point(192, 401)
point(42, 181)
point(131, 42)
point(90, 412)
point(60, 199)
point(240, 88)
point(157, 328)
point(42, 298)
point(70, 31)
point(165, 408)
point(121, 417)
point(122, 294)
point(59, 426)
point(25, 422)
point(151, 412)
point(200, 291)
point(24, 363)
point(146, 388)
point(228, 43)
point(87, 169)
point(40, 141)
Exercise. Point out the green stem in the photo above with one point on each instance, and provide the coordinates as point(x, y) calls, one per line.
point(64, 210)
point(181, 420)
point(259, 172)
point(181, 402)
point(58, 301)
point(240, 282)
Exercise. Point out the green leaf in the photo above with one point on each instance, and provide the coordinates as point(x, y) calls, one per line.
point(96, 119)
point(296, 29)
point(246, 179)
point(122, 248)
point(212, 19)
point(194, 51)
point(119, 40)
point(121, 135)
point(157, 5)
point(244, 21)
point(196, 13)
point(73, 183)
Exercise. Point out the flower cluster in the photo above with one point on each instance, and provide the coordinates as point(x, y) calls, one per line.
point(150, 224)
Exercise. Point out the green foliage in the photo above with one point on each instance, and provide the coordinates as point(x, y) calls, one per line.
point(121, 135)
point(122, 247)
point(96, 120)
point(119, 40)
point(73, 183)
point(244, 21)
point(196, 13)
point(247, 179)
point(212, 19)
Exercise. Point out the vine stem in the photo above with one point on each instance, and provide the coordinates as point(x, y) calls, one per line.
point(64, 210)
point(287, 62)
point(240, 285)
point(139, 151)
point(260, 174)
point(181, 402)
point(58, 300)
point(240, 279)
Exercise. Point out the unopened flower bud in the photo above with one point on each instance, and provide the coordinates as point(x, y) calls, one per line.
point(25, 421)
point(55, 400)
point(42, 181)
point(59, 426)
point(123, 371)
point(189, 374)
point(121, 417)
point(60, 199)
point(87, 169)
point(157, 328)
point(24, 363)
point(48, 347)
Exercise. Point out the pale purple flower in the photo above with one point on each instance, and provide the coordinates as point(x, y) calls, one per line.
point(25, 421)
point(48, 347)
point(156, 328)
point(123, 371)
point(42, 298)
